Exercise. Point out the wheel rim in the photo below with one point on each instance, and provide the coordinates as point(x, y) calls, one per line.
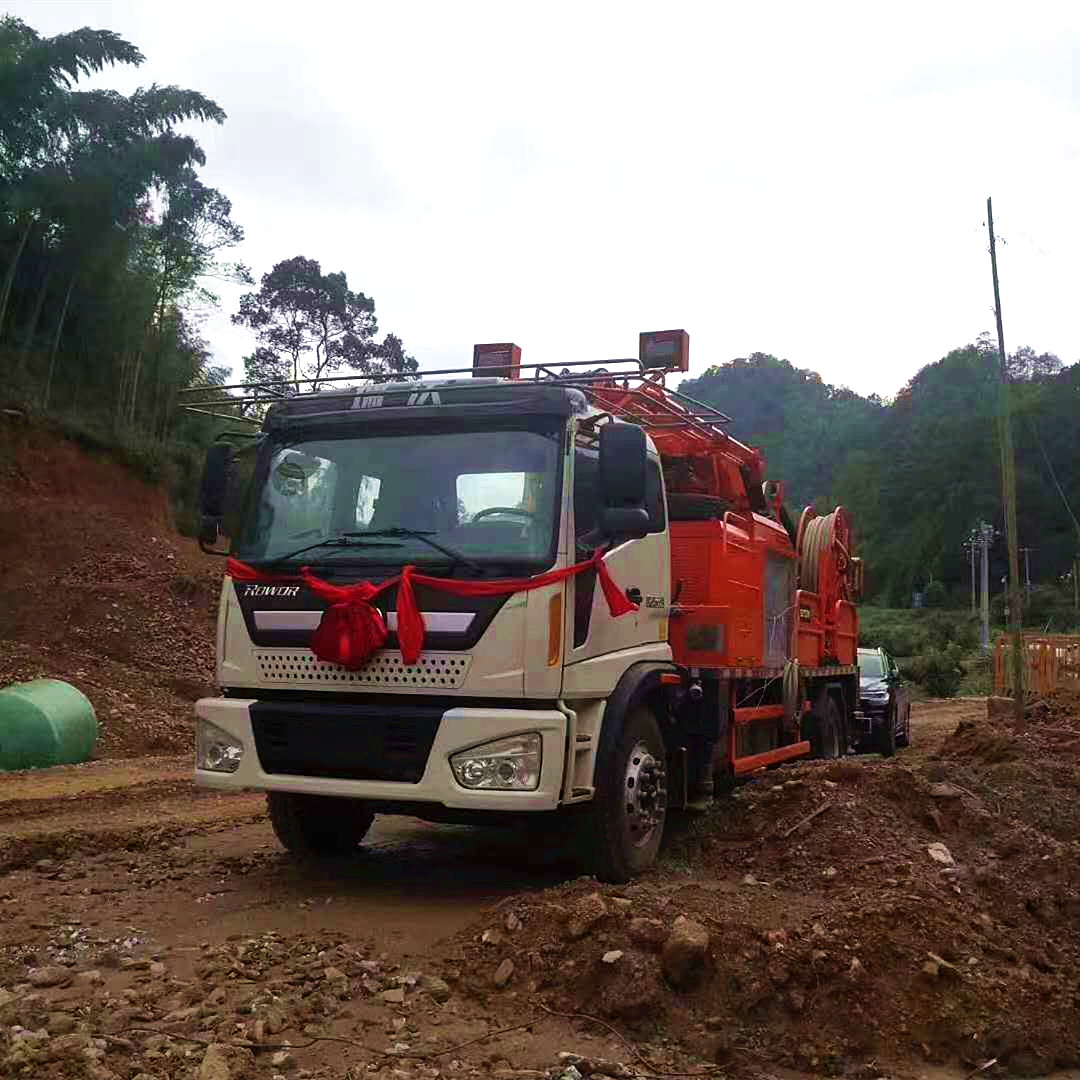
point(645, 792)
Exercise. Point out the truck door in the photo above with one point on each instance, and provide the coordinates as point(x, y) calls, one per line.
point(600, 648)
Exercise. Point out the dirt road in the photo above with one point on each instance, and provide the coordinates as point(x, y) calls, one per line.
point(190, 919)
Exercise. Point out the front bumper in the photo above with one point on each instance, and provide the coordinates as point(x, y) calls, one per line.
point(384, 753)
point(870, 715)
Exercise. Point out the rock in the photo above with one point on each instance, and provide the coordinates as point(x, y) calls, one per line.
point(158, 969)
point(648, 933)
point(134, 963)
point(985, 921)
point(283, 1060)
point(613, 957)
point(7, 998)
point(394, 997)
point(73, 1045)
point(91, 978)
point(438, 988)
point(940, 854)
point(587, 912)
point(51, 975)
point(945, 791)
point(623, 904)
point(274, 1019)
point(829, 873)
point(856, 968)
point(45, 866)
point(931, 969)
point(513, 923)
point(503, 973)
point(571, 1072)
point(749, 879)
point(684, 952)
point(935, 821)
point(337, 981)
point(942, 964)
point(796, 1000)
point(224, 1062)
point(491, 937)
point(60, 1023)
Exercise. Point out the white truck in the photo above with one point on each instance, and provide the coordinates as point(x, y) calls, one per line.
point(532, 702)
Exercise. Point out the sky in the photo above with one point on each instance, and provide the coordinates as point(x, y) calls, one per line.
point(803, 179)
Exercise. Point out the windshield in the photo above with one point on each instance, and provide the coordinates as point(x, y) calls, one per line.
point(870, 666)
point(488, 495)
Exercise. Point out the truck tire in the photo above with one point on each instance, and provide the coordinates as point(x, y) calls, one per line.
point(826, 728)
point(318, 826)
point(623, 825)
point(885, 737)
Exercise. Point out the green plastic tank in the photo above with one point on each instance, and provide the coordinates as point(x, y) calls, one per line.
point(44, 723)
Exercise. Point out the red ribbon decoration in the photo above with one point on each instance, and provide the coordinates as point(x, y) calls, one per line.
point(352, 629)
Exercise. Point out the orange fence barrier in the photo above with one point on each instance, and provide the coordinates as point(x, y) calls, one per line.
point(1053, 663)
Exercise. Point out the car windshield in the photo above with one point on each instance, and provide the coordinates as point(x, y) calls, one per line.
point(486, 495)
point(870, 666)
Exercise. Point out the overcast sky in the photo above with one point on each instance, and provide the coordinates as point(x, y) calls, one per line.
point(803, 179)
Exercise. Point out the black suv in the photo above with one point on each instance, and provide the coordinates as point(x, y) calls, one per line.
point(883, 717)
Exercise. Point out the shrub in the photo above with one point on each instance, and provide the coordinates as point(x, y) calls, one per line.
point(938, 671)
point(936, 596)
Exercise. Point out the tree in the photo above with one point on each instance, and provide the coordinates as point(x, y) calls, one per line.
point(310, 325)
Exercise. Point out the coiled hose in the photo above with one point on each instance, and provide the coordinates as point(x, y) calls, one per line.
point(817, 540)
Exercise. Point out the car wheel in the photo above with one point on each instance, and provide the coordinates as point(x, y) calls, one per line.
point(885, 740)
point(904, 738)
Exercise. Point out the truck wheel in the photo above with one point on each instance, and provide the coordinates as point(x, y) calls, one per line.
point(318, 825)
point(624, 823)
point(886, 734)
point(826, 731)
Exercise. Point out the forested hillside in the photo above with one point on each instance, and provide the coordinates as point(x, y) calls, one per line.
point(111, 246)
point(921, 471)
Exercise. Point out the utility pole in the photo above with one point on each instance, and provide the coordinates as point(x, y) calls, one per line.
point(970, 544)
point(1027, 570)
point(983, 538)
point(1008, 484)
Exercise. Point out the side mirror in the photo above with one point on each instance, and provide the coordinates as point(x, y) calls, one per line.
point(214, 492)
point(622, 465)
point(622, 482)
point(624, 522)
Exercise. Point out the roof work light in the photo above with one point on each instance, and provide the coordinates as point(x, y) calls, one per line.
point(666, 349)
point(501, 361)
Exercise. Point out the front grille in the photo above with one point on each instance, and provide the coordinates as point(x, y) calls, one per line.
point(385, 670)
point(345, 742)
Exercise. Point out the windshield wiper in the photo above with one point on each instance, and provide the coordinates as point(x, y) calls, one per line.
point(346, 540)
point(425, 536)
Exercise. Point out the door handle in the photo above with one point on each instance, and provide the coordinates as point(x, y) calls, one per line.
point(633, 594)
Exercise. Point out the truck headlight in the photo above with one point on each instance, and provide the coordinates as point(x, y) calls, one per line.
point(511, 764)
point(215, 749)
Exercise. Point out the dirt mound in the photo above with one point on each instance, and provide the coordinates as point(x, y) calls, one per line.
point(847, 914)
point(96, 588)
